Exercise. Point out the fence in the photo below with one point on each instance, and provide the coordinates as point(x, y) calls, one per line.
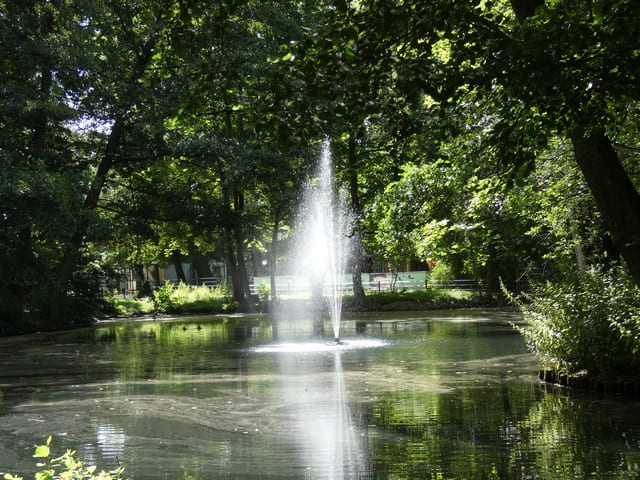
point(458, 284)
point(371, 282)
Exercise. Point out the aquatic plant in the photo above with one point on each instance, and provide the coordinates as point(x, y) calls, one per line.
point(66, 467)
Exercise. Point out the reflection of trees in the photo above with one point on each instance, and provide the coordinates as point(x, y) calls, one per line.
point(502, 432)
point(582, 438)
point(449, 435)
point(161, 349)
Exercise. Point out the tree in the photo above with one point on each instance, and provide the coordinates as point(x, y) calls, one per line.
point(225, 111)
point(41, 155)
point(567, 68)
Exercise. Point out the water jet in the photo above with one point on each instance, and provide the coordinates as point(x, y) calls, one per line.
point(322, 244)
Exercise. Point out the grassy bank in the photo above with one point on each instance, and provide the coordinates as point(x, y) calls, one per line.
point(190, 299)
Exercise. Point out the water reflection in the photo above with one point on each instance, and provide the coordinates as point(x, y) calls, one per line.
point(319, 347)
point(315, 390)
point(572, 439)
point(436, 396)
point(109, 445)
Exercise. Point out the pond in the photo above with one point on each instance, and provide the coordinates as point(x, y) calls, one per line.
point(429, 395)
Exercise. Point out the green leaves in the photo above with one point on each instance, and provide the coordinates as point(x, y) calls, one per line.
point(587, 322)
point(43, 451)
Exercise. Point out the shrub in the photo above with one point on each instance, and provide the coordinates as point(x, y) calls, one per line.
point(442, 272)
point(162, 298)
point(588, 322)
point(178, 299)
point(66, 467)
point(187, 298)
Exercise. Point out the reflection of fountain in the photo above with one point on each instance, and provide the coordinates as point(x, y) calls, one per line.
point(322, 245)
point(314, 396)
point(349, 461)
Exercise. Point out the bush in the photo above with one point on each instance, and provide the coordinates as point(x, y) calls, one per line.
point(70, 468)
point(187, 298)
point(442, 272)
point(178, 299)
point(588, 322)
point(162, 298)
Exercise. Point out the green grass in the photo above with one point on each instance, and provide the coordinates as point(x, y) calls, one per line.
point(422, 296)
point(201, 299)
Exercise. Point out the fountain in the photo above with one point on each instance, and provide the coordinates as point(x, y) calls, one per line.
point(323, 241)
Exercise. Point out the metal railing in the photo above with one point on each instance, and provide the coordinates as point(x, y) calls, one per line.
point(458, 284)
point(377, 286)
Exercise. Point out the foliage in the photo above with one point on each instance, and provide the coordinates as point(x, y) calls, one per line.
point(182, 298)
point(186, 298)
point(441, 272)
point(142, 133)
point(590, 321)
point(163, 298)
point(66, 467)
point(130, 306)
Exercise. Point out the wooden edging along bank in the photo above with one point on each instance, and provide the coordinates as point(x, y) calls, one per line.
point(584, 382)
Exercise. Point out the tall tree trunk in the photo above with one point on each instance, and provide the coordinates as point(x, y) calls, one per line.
point(243, 278)
point(235, 253)
point(238, 294)
point(273, 252)
point(154, 271)
point(200, 264)
point(616, 197)
point(356, 250)
point(111, 154)
point(176, 259)
point(491, 278)
point(256, 260)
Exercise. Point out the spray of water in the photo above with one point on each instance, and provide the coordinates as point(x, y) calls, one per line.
point(324, 233)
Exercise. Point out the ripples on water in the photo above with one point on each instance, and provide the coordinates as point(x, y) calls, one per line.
point(448, 395)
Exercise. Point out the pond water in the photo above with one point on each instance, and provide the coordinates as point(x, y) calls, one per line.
point(429, 395)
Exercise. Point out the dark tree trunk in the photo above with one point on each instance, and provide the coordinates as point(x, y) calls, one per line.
point(239, 280)
point(154, 271)
point(243, 278)
point(256, 260)
point(235, 253)
point(200, 264)
point(615, 195)
point(233, 266)
point(273, 253)
point(491, 279)
point(356, 250)
point(176, 259)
